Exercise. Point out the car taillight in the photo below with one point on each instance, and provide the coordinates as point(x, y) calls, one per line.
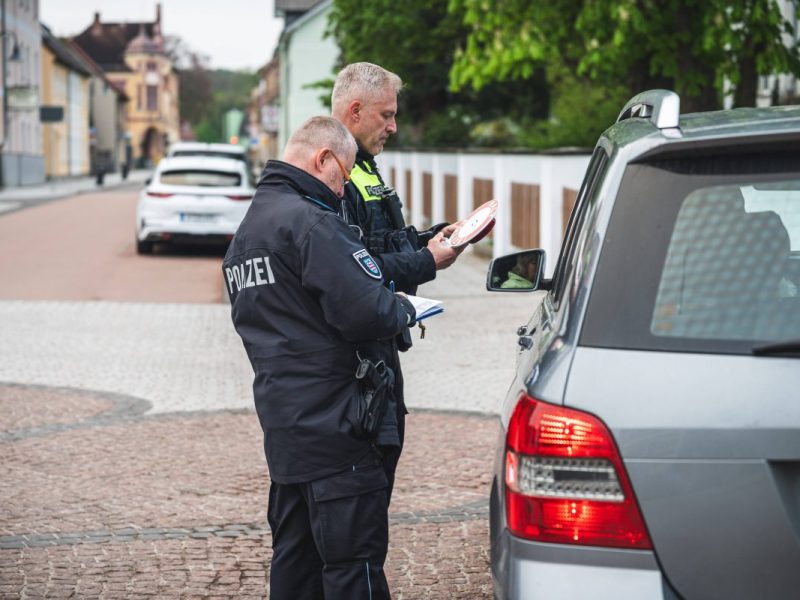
point(240, 196)
point(159, 194)
point(565, 481)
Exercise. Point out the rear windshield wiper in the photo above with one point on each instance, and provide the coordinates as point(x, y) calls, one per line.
point(790, 347)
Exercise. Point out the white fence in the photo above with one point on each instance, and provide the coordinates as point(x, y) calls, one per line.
point(535, 192)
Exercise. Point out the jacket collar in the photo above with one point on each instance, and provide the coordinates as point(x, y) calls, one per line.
point(362, 156)
point(305, 184)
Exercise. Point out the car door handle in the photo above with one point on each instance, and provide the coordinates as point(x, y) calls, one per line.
point(525, 341)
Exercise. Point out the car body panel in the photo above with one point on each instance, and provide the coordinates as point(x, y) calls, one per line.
point(203, 212)
point(699, 406)
point(183, 149)
point(701, 437)
point(710, 442)
point(563, 576)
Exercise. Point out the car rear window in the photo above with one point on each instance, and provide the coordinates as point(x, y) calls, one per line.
point(700, 255)
point(201, 178)
point(209, 153)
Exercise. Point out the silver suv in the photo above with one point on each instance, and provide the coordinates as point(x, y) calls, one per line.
point(651, 437)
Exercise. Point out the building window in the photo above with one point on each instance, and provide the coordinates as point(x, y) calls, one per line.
point(151, 66)
point(152, 97)
point(139, 97)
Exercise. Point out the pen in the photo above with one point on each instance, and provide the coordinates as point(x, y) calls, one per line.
point(391, 286)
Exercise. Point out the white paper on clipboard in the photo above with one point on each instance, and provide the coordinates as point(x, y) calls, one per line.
point(426, 307)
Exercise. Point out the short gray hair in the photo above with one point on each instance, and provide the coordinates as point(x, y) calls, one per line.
point(362, 81)
point(323, 132)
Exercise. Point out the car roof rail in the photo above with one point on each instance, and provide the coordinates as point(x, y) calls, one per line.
point(661, 107)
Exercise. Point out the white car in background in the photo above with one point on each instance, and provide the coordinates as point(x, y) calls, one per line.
point(193, 199)
point(210, 150)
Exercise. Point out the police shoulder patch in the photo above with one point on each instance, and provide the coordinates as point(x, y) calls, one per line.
point(368, 263)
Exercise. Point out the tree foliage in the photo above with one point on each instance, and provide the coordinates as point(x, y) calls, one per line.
point(206, 94)
point(416, 39)
point(692, 46)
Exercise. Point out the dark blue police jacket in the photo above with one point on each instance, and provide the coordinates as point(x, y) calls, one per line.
point(304, 292)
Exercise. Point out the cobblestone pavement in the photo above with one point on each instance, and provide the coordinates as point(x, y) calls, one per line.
point(131, 463)
point(102, 499)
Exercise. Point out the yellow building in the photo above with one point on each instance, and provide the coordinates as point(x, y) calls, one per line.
point(134, 59)
point(65, 90)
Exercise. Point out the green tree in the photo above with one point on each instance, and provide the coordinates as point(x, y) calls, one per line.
point(195, 96)
point(416, 41)
point(229, 89)
point(692, 46)
point(205, 95)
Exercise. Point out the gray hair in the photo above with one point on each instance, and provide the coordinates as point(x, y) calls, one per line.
point(362, 81)
point(323, 132)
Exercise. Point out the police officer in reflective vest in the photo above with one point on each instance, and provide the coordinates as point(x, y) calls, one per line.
point(364, 99)
point(305, 292)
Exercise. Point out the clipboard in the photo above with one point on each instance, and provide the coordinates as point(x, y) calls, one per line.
point(425, 307)
point(475, 226)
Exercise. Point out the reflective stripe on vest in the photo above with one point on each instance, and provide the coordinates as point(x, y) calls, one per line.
point(368, 183)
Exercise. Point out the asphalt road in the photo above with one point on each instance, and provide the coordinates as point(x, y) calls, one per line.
point(82, 248)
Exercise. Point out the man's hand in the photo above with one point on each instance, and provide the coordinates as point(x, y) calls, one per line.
point(449, 229)
point(444, 254)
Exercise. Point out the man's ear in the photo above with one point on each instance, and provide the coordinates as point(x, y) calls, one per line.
point(354, 110)
point(319, 159)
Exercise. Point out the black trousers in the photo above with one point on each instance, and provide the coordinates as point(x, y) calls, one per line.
point(391, 454)
point(330, 536)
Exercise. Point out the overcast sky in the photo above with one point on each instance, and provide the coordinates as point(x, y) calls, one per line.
point(234, 34)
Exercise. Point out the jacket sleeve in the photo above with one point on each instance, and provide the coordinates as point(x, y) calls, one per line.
point(339, 272)
point(407, 269)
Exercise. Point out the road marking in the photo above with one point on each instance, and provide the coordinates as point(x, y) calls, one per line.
point(6, 206)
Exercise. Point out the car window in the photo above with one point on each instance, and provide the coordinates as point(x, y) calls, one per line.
point(200, 178)
point(701, 255)
point(729, 264)
point(569, 254)
point(210, 153)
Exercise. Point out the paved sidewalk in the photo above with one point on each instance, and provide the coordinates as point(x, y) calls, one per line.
point(131, 463)
point(15, 198)
point(188, 357)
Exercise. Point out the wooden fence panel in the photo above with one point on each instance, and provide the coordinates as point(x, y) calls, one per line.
point(427, 197)
point(451, 198)
point(409, 199)
point(525, 215)
point(567, 203)
point(482, 191)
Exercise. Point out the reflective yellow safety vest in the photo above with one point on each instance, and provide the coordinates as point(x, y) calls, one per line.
point(383, 212)
point(367, 181)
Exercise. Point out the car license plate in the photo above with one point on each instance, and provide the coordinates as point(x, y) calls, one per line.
point(197, 218)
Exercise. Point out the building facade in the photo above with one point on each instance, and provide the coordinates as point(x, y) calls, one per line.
point(134, 59)
point(263, 114)
point(21, 148)
point(306, 56)
point(65, 89)
point(107, 119)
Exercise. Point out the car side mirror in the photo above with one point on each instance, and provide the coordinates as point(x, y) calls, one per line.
point(517, 272)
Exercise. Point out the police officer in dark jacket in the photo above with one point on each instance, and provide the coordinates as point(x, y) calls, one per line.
point(304, 292)
point(365, 100)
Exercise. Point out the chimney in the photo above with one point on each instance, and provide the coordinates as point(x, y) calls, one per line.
point(96, 18)
point(158, 13)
